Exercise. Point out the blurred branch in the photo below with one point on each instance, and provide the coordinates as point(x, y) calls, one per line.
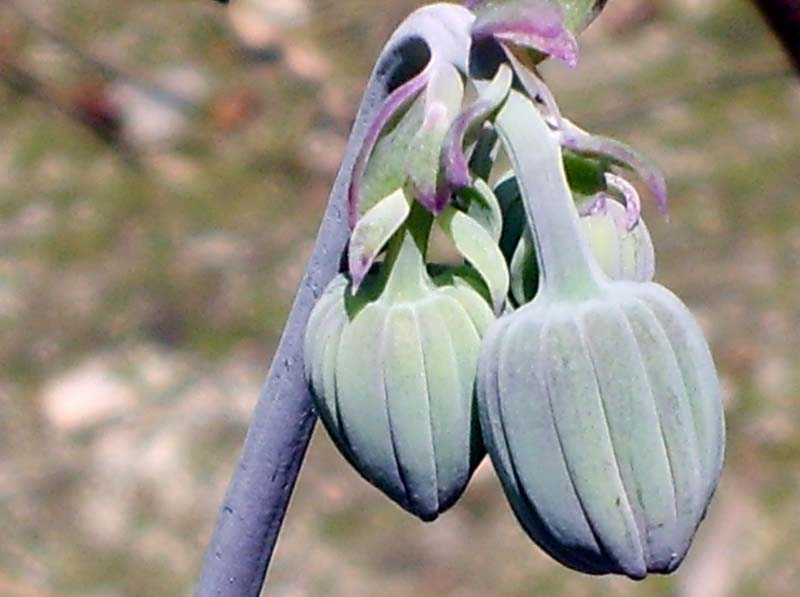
point(784, 18)
point(25, 84)
point(104, 67)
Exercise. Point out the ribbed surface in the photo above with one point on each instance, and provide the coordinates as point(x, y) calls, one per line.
point(394, 386)
point(603, 419)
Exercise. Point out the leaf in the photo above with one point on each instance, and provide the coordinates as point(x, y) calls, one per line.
point(490, 98)
point(475, 243)
point(514, 218)
point(524, 270)
point(586, 176)
point(374, 173)
point(484, 208)
point(483, 156)
point(373, 231)
point(443, 99)
point(442, 32)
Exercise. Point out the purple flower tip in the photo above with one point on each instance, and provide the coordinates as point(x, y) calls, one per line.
point(434, 201)
point(582, 142)
point(598, 205)
point(358, 265)
point(537, 24)
point(633, 204)
point(658, 187)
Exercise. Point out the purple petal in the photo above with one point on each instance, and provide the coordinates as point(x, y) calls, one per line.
point(578, 140)
point(454, 161)
point(434, 200)
point(598, 205)
point(538, 25)
point(633, 204)
point(396, 101)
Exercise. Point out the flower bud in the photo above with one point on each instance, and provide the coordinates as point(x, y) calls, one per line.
point(623, 254)
point(604, 422)
point(599, 401)
point(392, 369)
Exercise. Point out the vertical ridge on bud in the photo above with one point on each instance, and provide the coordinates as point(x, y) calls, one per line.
point(581, 420)
point(569, 526)
point(633, 421)
point(442, 378)
point(695, 363)
point(409, 420)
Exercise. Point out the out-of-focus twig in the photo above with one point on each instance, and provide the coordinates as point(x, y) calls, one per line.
point(784, 18)
point(103, 66)
point(26, 84)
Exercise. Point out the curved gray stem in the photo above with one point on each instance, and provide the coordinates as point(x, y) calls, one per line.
point(250, 519)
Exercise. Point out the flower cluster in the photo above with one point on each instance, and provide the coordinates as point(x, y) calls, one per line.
point(548, 345)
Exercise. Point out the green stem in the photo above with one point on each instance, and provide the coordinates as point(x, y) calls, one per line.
point(405, 272)
point(566, 264)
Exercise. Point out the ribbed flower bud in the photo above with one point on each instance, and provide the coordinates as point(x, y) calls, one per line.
point(599, 401)
point(623, 253)
point(392, 369)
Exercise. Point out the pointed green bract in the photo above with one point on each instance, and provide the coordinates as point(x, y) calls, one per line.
point(373, 231)
point(477, 246)
point(484, 208)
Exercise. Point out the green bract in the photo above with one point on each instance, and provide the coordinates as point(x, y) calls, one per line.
point(392, 370)
point(599, 401)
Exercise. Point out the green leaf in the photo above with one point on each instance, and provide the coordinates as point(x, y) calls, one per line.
point(373, 231)
point(484, 208)
point(475, 243)
point(586, 176)
point(524, 270)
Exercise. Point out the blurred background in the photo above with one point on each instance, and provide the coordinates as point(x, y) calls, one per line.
point(163, 169)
